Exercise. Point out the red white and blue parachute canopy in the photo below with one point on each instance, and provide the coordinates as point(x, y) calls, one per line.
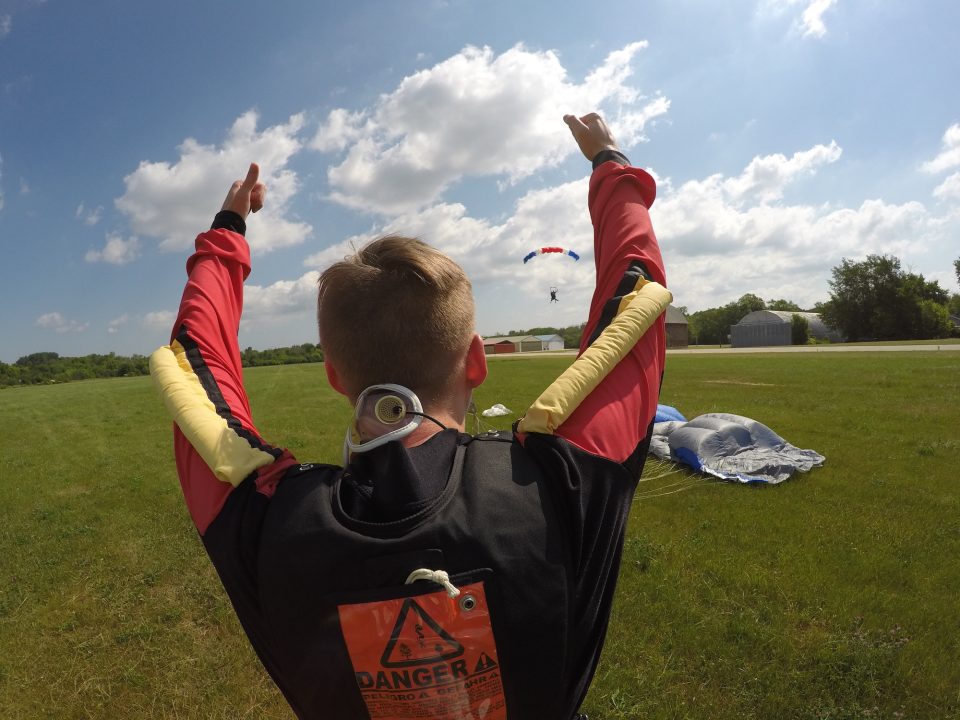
point(546, 250)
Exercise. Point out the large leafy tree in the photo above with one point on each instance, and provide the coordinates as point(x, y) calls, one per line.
point(747, 304)
point(876, 299)
point(787, 305)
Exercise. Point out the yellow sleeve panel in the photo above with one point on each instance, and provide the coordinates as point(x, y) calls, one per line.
point(637, 312)
point(229, 456)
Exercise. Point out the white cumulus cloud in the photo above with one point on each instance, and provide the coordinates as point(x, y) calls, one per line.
point(175, 201)
point(949, 189)
point(721, 237)
point(158, 320)
point(949, 156)
point(88, 217)
point(474, 114)
point(812, 18)
point(114, 325)
point(720, 242)
point(765, 177)
point(492, 253)
point(489, 251)
point(284, 297)
point(116, 251)
point(810, 23)
point(58, 323)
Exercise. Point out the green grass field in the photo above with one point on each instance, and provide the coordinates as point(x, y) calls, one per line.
point(834, 595)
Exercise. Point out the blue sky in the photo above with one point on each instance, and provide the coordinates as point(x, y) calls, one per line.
point(785, 135)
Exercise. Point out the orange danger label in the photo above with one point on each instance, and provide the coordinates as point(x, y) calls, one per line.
point(428, 656)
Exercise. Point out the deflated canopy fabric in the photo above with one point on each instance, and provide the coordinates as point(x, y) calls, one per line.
point(731, 447)
point(665, 413)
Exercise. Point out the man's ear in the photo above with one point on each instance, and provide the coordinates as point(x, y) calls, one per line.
point(333, 378)
point(476, 370)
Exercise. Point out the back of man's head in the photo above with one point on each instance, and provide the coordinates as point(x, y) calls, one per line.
point(396, 311)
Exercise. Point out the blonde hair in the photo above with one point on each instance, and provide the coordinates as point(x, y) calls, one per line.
point(396, 311)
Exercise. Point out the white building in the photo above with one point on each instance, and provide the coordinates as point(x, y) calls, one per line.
point(550, 342)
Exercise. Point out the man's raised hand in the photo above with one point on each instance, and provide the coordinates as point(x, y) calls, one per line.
point(591, 133)
point(246, 196)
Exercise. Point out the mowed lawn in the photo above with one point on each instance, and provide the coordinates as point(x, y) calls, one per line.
point(834, 595)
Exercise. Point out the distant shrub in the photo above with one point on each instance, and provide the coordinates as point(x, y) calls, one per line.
point(799, 330)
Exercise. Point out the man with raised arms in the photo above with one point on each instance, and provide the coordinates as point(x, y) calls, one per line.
point(433, 573)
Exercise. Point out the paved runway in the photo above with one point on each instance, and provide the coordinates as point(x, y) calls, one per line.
point(816, 348)
point(954, 347)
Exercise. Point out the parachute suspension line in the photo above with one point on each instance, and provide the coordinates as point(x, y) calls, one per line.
point(673, 492)
point(693, 480)
point(687, 482)
point(439, 577)
point(660, 476)
point(664, 468)
point(472, 410)
point(479, 425)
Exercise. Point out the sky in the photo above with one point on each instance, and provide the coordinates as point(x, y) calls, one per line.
point(785, 136)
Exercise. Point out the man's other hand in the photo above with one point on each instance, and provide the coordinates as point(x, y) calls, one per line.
point(591, 134)
point(246, 196)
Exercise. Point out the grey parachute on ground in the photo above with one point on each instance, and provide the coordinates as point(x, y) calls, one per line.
point(730, 447)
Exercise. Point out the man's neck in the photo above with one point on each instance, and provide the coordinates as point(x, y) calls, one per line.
point(428, 428)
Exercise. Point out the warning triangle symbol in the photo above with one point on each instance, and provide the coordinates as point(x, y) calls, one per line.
point(418, 639)
point(484, 662)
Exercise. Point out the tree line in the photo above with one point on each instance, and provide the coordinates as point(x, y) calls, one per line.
point(874, 299)
point(305, 353)
point(49, 367)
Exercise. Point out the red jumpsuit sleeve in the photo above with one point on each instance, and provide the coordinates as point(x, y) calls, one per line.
point(206, 333)
point(613, 419)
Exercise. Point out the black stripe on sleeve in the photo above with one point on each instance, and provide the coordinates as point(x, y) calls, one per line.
point(627, 284)
point(209, 384)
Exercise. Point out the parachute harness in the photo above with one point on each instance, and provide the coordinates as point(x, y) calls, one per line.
point(379, 408)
